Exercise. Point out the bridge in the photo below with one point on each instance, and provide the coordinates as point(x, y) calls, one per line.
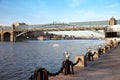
point(11, 33)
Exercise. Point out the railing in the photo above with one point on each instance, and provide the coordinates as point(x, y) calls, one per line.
point(67, 65)
point(21, 33)
point(62, 28)
point(42, 73)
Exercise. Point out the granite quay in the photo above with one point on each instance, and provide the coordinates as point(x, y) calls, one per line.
point(107, 67)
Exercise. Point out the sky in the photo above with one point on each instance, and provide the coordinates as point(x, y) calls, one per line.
point(49, 11)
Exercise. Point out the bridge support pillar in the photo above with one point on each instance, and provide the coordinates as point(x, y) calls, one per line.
point(12, 37)
point(2, 37)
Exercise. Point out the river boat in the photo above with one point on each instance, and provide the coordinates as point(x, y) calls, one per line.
point(43, 38)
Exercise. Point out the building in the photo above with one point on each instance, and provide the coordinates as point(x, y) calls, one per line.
point(111, 21)
point(18, 24)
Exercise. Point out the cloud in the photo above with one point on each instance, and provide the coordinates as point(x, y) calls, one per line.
point(115, 5)
point(74, 3)
point(89, 15)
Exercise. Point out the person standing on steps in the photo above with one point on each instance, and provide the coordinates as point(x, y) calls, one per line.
point(115, 43)
point(111, 43)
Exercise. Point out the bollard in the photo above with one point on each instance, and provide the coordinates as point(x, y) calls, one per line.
point(89, 56)
point(82, 63)
point(40, 74)
point(96, 55)
point(68, 67)
point(99, 51)
point(103, 50)
point(67, 64)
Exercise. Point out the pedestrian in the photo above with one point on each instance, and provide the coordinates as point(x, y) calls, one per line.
point(111, 43)
point(115, 43)
point(99, 51)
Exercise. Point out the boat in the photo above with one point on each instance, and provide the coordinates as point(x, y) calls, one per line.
point(43, 38)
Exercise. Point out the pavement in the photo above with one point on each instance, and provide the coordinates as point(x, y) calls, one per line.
point(107, 67)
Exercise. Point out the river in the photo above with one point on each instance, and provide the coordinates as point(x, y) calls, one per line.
point(18, 60)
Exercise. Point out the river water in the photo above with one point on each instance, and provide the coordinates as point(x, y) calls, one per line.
point(18, 60)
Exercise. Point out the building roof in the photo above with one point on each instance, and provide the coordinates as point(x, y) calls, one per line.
point(117, 21)
point(92, 23)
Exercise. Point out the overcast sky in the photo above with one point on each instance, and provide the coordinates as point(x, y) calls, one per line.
point(48, 11)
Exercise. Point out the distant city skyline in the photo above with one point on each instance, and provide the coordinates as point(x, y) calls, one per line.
point(48, 11)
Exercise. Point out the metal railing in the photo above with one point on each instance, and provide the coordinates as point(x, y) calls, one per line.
point(67, 65)
point(43, 74)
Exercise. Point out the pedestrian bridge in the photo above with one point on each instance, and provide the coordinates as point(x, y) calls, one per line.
point(10, 33)
point(59, 27)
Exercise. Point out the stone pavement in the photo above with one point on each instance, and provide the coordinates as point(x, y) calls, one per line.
point(107, 67)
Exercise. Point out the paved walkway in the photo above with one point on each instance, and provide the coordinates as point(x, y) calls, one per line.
point(107, 67)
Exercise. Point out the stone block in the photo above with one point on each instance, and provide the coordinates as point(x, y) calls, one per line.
point(96, 55)
point(82, 62)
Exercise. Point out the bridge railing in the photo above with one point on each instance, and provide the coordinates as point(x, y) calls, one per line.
point(74, 28)
point(56, 28)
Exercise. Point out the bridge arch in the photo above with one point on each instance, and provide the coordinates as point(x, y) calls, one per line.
point(7, 36)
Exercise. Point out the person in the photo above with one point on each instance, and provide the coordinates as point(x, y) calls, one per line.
point(111, 43)
point(99, 51)
point(115, 43)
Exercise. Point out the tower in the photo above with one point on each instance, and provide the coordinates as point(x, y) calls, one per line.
point(112, 21)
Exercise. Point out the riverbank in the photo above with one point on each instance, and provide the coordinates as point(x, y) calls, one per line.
point(107, 67)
